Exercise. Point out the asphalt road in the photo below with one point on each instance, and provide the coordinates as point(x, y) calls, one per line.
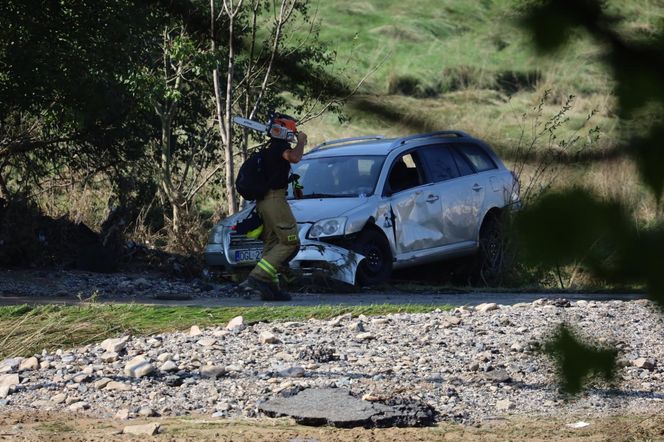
point(312, 299)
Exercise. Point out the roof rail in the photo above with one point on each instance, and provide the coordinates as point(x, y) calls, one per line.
point(345, 140)
point(456, 133)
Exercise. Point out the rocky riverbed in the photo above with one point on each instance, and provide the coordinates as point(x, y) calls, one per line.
point(469, 364)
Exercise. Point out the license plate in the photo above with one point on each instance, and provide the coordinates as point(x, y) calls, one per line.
point(251, 255)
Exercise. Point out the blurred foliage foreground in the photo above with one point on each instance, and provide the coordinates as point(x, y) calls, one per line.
point(574, 224)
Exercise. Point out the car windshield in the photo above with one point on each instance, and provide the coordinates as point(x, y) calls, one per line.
point(338, 177)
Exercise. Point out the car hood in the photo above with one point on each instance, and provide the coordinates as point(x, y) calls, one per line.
point(316, 209)
point(307, 210)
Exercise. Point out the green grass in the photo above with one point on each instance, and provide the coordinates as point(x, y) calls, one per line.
point(26, 330)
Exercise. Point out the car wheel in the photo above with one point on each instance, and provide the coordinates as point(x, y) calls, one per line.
point(491, 253)
point(376, 267)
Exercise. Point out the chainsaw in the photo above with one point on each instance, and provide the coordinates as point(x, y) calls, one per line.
point(279, 126)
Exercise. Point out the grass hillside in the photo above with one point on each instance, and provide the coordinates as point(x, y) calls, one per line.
point(466, 64)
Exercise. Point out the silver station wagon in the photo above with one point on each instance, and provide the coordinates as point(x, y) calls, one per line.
point(373, 204)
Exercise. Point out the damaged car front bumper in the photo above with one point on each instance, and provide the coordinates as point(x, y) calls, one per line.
point(230, 250)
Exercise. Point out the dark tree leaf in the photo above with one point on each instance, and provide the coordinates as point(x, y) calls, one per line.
point(577, 361)
point(569, 226)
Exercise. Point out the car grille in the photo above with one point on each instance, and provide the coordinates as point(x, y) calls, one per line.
point(242, 242)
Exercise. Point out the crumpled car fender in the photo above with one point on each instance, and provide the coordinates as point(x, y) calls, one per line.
point(339, 263)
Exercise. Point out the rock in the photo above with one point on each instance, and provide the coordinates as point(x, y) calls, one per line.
point(498, 376)
point(207, 342)
point(335, 322)
point(292, 372)
point(59, 398)
point(81, 378)
point(9, 380)
point(486, 307)
point(366, 336)
point(29, 364)
point(142, 430)
point(195, 331)
point(41, 404)
point(79, 406)
point(235, 324)
point(117, 386)
point(336, 407)
point(452, 321)
point(212, 371)
point(122, 414)
point(380, 321)
point(10, 365)
point(267, 337)
point(645, 363)
point(165, 357)
point(101, 383)
point(168, 366)
point(114, 345)
point(518, 347)
point(504, 405)
point(109, 357)
point(138, 367)
point(146, 412)
point(4, 391)
point(356, 327)
point(581, 303)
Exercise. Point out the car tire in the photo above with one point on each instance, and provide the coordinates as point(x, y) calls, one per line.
point(490, 261)
point(376, 267)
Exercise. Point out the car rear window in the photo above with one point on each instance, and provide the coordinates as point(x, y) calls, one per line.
point(477, 157)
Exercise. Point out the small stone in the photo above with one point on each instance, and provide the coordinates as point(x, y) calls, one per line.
point(9, 380)
point(504, 405)
point(59, 398)
point(645, 363)
point(452, 321)
point(109, 357)
point(335, 322)
point(267, 337)
point(207, 342)
point(10, 365)
point(380, 321)
point(292, 372)
point(4, 391)
point(168, 366)
point(146, 412)
point(122, 414)
point(356, 327)
point(145, 429)
point(212, 371)
point(165, 357)
point(517, 346)
point(114, 345)
point(195, 331)
point(237, 323)
point(29, 364)
point(138, 367)
point(101, 383)
point(366, 336)
point(41, 404)
point(79, 406)
point(486, 307)
point(581, 303)
point(81, 378)
point(117, 386)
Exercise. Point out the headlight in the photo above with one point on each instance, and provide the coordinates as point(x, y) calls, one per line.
point(328, 227)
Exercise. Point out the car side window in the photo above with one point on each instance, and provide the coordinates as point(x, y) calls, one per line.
point(477, 157)
point(440, 163)
point(462, 163)
point(404, 174)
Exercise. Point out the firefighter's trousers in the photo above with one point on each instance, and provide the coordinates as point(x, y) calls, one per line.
point(280, 239)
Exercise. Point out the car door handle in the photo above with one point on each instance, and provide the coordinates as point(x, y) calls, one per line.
point(477, 187)
point(432, 199)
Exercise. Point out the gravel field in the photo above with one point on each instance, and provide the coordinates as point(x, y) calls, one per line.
point(470, 365)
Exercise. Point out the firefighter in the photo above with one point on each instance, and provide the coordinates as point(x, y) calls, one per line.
point(280, 239)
